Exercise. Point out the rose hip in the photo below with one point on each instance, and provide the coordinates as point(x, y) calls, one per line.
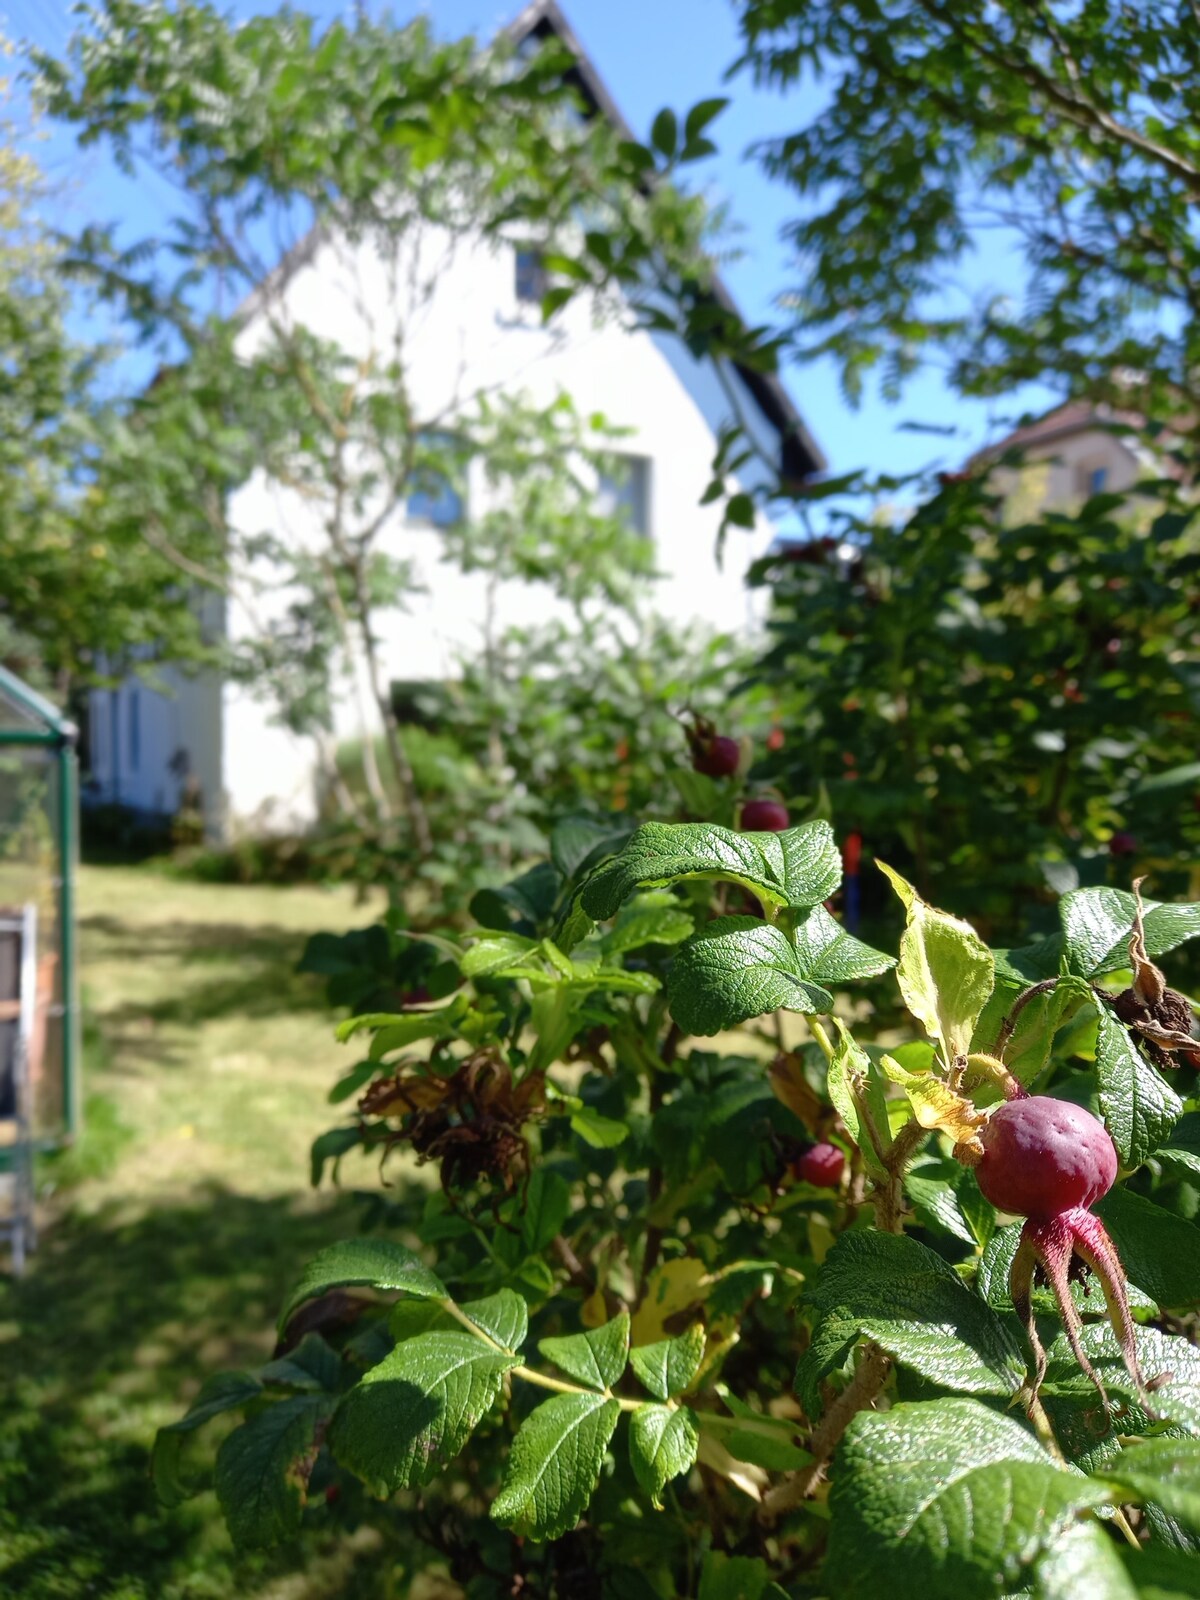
point(1043, 1156)
point(822, 1166)
point(764, 816)
point(719, 758)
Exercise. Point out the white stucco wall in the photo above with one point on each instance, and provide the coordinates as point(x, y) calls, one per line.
point(465, 333)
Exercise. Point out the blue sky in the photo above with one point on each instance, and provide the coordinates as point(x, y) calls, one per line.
point(668, 52)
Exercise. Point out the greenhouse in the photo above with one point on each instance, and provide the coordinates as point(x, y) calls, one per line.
point(39, 1043)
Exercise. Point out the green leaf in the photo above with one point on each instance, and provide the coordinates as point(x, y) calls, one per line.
point(313, 1364)
point(944, 1499)
point(407, 1030)
point(331, 1146)
point(1166, 1471)
point(736, 968)
point(737, 1578)
point(701, 114)
point(352, 1081)
point(946, 972)
point(858, 1090)
point(1159, 1250)
point(995, 1264)
point(262, 1470)
point(225, 1391)
point(1138, 1105)
point(597, 1357)
point(662, 1446)
point(1169, 1357)
point(654, 918)
point(664, 133)
point(1082, 1564)
point(497, 953)
point(827, 954)
point(547, 1206)
point(602, 1133)
point(739, 510)
point(504, 1317)
point(916, 1307)
point(667, 1368)
point(1181, 1153)
point(374, 1263)
point(1097, 924)
point(555, 1465)
point(410, 1415)
point(798, 868)
point(772, 1451)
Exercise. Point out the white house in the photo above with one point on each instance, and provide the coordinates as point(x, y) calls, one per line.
point(1074, 450)
point(478, 330)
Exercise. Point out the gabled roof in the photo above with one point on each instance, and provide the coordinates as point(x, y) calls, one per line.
point(800, 455)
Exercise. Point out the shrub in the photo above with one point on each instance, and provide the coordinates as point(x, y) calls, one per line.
point(621, 1347)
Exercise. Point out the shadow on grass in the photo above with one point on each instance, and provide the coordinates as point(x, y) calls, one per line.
point(109, 1337)
point(264, 983)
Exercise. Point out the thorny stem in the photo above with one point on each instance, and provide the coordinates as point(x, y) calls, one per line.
point(1008, 1026)
point(858, 1394)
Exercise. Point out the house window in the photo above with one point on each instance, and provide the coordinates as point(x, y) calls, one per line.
point(530, 277)
point(1091, 478)
point(432, 496)
point(625, 491)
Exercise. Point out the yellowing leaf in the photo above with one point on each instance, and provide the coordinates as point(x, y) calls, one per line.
point(946, 972)
point(673, 1287)
point(935, 1104)
point(744, 1475)
point(594, 1313)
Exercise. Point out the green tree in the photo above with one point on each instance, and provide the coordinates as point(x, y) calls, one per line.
point(1071, 129)
point(383, 154)
point(85, 597)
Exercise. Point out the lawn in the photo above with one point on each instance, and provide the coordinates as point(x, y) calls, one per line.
point(169, 1237)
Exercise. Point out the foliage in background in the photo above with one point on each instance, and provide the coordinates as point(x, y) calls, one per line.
point(84, 597)
point(1070, 131)
point(993, 704)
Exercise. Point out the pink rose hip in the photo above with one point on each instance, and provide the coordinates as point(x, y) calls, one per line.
point(1043, 1156)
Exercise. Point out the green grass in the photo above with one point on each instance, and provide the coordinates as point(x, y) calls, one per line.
point(169, 1236)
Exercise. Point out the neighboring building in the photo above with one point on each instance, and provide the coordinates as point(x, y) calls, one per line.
point(1074, 451)
point(480, 330)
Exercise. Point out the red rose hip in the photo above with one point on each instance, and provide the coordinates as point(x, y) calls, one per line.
point(1042, 1157)
point(822, 1165)
point(718, 758)
point(764, 816)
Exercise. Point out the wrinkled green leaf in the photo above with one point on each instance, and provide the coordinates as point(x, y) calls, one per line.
point(903, 1296)
point(662, 1445)
point(263, 1467)
point(555, 1464)
point(1097, 924)
point(596, 1358)
point(373, 1263)
point(827, 954)
point(1166, 1471)
point(410, 1415)
point(736, 968)
point(944, 1499)
point(1138, 1105)
point(667, 1367)
point(798, 868)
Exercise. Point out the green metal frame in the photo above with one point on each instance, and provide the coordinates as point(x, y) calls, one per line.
point(60, 734)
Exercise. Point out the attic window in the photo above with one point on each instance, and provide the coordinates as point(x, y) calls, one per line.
point(1091, 477)
point(530, 276)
